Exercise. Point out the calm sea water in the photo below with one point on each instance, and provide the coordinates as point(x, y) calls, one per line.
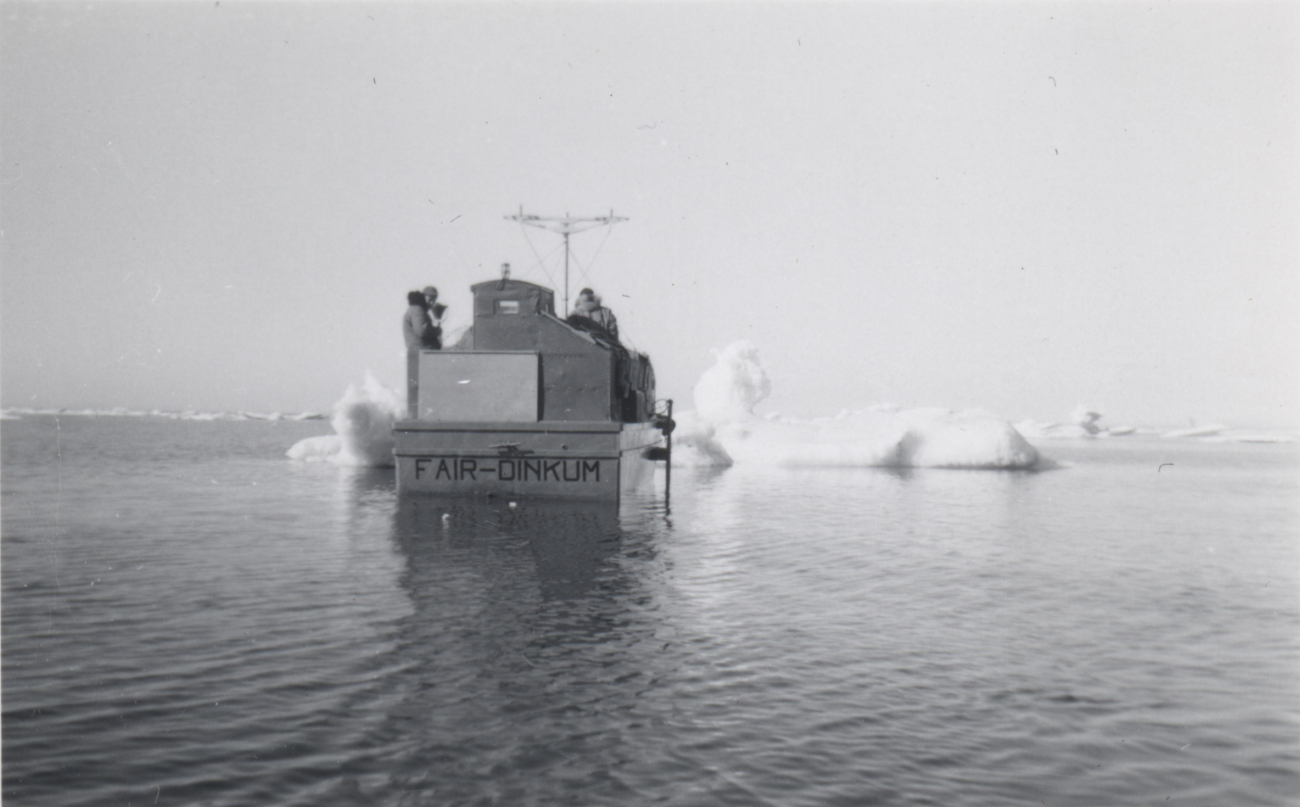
point(190, 618)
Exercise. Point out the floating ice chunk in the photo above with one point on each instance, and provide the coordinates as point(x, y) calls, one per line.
point(1196, 431)
point(919, 438)
point(733, 386)
point(263, 415)
point(1052, 431)
point(1035, 430)
point(316, 449)
point(870, 441)
point(694, 445)
point(969, 439)
point(364, 420)
point(723, 430)
point(1086, 419)
point(1259, 437)
point(363, 425)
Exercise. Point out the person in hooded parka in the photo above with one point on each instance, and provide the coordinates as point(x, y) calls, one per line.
point(589, 315)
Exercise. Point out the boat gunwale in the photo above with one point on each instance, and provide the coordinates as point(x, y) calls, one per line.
point(585, 454)
point(541, 426)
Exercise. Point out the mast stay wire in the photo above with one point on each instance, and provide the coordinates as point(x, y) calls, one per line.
point(585, 278)
point(585, 270)
point(566, 226)
point(628, 343)
point(540, 262)
point(609, 230)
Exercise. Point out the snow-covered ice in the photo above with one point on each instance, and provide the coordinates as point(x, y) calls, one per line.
point(363, 428)
point(724, 430)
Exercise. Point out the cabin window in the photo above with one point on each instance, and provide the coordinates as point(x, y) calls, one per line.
point(507, 306)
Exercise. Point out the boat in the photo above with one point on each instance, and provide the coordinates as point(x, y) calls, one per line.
point(531, 404)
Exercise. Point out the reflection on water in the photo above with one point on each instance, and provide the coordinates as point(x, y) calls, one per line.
point(531, 636)
point(184, 626)
point(556, 547)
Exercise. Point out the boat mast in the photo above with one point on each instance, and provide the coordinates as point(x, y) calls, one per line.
point(565, 225)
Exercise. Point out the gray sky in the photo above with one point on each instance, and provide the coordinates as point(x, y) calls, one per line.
point(1015, 207)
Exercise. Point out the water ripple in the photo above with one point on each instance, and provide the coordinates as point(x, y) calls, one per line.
point(190, 619)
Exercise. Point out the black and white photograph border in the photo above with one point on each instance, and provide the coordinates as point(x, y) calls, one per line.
point(777, 403)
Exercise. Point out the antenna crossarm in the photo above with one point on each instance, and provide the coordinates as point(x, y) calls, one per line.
point(565, 225)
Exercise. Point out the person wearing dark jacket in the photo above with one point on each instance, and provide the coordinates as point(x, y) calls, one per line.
point(435, 310)
point(589, 315)
point(419, 333)
point(415, 323)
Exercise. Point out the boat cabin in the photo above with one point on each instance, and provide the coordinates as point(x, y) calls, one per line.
point(522, 363)
point(523, 389)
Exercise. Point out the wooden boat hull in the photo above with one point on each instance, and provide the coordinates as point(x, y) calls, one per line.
point(559, 459)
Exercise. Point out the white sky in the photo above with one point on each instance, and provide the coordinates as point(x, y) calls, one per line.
point(1014, 207)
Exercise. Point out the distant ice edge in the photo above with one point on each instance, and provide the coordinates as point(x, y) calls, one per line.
point(723, 430)
point(17, 413)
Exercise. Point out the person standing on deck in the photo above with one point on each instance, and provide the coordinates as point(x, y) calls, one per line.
point(435, 311)
point(588, 312)
point(418, 333)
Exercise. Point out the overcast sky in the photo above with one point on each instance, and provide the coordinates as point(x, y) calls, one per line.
point(1015, 207)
